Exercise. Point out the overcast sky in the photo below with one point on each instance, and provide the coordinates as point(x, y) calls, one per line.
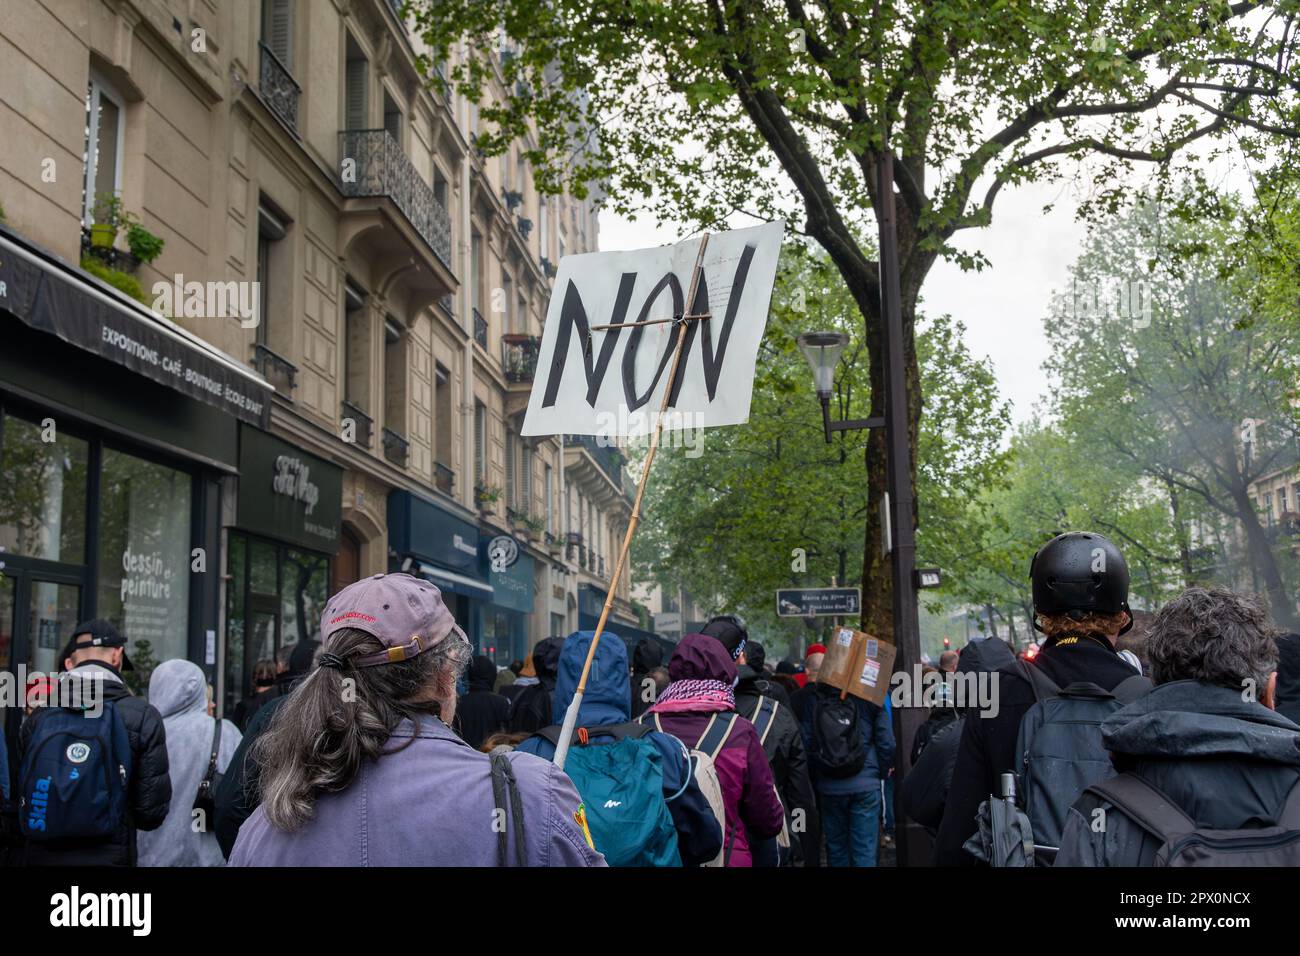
point(1002, 306)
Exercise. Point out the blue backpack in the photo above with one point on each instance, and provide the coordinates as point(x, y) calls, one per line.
point(621, 785)
point(73, 780)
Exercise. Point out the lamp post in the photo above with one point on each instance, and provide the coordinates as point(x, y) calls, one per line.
point(822, 349)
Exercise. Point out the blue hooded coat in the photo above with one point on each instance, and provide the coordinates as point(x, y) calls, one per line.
point(608, 701)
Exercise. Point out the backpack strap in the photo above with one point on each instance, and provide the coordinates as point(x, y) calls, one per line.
point(1145, 805)
point(763, 717)
point(634, 730)
point(1044, 687)
point(715, 735)
point(504, 785)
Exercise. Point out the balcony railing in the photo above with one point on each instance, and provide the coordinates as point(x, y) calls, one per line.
point(278, 88)
point(444, 479)
point(447, 306)
point(396, 448)
point(480, 329)
point(362, 424)
point(276, 369)
point(382, 169)
point(608, 457)
point(519, 357)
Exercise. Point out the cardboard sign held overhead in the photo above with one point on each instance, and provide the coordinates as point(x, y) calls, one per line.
point(611, 382)
point(858, 664)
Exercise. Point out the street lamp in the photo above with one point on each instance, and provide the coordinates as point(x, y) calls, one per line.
point(822, 350)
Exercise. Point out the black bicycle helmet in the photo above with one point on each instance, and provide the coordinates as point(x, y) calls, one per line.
point(1078, 572)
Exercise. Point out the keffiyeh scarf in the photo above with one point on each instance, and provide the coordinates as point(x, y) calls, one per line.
point(684, 695)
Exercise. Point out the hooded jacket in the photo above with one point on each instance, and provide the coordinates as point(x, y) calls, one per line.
point(606, 702)
point(1225, 762)
point(530, 709)
point(748, 790)
point(786, 756)
point(149, 789)
point(646, 656)
point(178, 690)
point(480, 712)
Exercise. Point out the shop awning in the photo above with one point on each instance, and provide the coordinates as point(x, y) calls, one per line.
point(451, 581)
point(47, 294)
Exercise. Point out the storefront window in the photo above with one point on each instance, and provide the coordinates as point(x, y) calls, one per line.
point(144, 554)
point(43, 494)
point(236, 551)
point(306, 589)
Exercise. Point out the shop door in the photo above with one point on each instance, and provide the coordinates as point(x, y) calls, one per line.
point(38, 610)
point(347, 563)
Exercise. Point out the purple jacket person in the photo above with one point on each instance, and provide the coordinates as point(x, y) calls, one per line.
point(361, 769)
point(703, 675)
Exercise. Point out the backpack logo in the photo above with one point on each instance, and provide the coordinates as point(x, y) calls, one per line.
point(610, 804)
point(78, 752)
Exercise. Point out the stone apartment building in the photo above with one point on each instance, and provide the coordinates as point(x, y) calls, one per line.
point(204, 479)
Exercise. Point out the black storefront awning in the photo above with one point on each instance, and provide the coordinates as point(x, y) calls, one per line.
point(47, 294)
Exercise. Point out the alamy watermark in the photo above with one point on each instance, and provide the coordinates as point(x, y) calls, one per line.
point(208, 300)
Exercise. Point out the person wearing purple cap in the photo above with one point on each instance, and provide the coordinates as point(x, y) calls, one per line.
point(361, 767)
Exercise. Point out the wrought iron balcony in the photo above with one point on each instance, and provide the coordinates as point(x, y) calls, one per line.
point(276, 369)
point(480, 328)
point(382, 169)
point(525, 226)
point(362, 424)
point(396, 448)
point(608, 457)
point(444, 479)
point(278, 88)
point(519, 357)
point(446, 305)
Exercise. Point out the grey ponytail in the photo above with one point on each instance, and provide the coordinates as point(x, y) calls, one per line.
point(327, 726)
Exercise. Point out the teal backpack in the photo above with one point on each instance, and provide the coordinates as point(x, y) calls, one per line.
point(621, 785)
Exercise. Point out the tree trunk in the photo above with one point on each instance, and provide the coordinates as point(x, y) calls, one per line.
point(1274, 590)
point(1184, 545)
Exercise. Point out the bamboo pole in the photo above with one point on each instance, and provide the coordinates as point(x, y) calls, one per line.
point(571, 715)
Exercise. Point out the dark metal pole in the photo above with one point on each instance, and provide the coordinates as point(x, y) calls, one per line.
point(912, 840)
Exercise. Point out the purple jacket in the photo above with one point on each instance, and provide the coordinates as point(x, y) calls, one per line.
point(428, 804)
point(748, 790)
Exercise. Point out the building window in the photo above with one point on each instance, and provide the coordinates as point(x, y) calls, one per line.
point(1268, 508)
point(394, 376)
point(356, 347)
point(507, 296)
point(547, 504)
point(476, 271)
point(356, 79)
point(277, 29)
point(103, 147)
point(392, 119)
point(272, 276)
point(480, 441)
point(442, 416)
point(144, 553)
point(526, 486)
point(543, 248)
point(1281, 500)
point(510, 469)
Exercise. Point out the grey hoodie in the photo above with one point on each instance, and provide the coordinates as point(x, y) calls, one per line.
point(179, 691)
point(1226, 762)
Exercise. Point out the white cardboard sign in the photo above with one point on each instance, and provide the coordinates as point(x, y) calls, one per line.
point(611, 383)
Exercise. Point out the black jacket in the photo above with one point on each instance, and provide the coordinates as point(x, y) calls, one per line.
point(149, 789)
point(480, 713)
point(530, 709)
point(786, 755)
point(1225, 762)
point(646, 656)
point(1288, 677)
point(925, 789)
point(238, 794)
point(988, 744)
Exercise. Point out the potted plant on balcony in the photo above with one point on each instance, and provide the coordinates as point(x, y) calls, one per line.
point(144, 245)
point(535, 526)
point(109, 219)
point(486, 496)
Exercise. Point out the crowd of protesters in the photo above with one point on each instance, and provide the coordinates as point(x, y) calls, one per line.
point(387, 741)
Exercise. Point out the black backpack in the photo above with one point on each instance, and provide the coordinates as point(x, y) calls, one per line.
point(1183, 843)
point(838, 749)
point(1059, 750)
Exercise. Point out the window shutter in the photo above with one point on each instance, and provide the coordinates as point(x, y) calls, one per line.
point(480, 424)
point(279, 30)
point(356, 94)
point(510, 469)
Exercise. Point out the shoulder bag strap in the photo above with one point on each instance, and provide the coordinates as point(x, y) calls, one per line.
point(1145, 805)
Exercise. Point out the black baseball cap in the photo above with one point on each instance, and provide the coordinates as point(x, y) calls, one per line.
point(98, 633)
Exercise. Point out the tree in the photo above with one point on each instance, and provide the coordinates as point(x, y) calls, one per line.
point(1193, 392)
point(700, 109)
point(769, 504)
